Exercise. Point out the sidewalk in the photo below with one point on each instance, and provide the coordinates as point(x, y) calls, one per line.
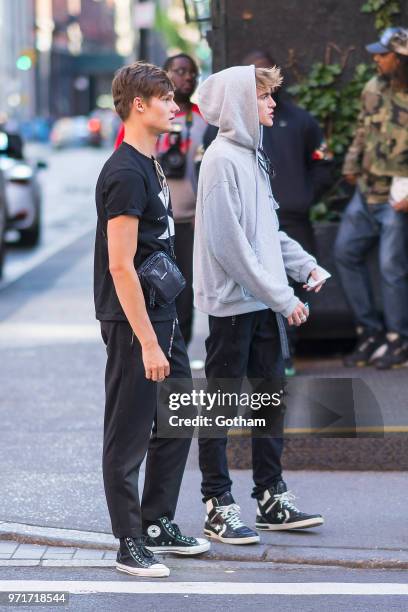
point(12, 553)
point(361, 511)
point(52, 362)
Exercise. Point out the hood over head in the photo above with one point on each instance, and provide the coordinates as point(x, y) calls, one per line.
point(228, 100)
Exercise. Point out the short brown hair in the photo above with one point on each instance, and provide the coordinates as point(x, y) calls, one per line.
point(268, 78)
point(138, 79)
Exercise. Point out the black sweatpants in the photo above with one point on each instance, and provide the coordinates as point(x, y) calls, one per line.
point(183, 246)
point(239, 346)
point(130, 431)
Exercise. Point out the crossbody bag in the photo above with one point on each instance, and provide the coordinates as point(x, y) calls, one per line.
point(159, 274)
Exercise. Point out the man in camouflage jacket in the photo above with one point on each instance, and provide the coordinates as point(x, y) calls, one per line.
point(376, 160)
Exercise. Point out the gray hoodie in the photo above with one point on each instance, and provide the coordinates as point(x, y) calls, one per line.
point(241, 259)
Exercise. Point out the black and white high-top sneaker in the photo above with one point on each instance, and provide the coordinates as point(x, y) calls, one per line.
point(135, 559)
point(164, 536)
point(223, 522)
point(276, 511)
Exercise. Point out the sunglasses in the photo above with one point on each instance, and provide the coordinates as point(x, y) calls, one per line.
point(181, 72)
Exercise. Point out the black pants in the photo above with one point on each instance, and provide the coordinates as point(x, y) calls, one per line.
point(130, 431)
point(244, 345)
point(184, 242)
point(300, 229)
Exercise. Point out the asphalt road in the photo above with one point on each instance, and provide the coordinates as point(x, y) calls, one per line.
point(295, 582)
point(68, 208)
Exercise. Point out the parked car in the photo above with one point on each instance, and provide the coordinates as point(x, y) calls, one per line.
point(23, 191)
point(109, 122)
point(3, 220)
point(76, 131)
point(37, 129)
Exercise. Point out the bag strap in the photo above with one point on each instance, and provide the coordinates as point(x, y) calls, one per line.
point(189, 125)
point(166, 192)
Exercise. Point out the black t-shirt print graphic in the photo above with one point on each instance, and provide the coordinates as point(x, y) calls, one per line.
point(128, 185)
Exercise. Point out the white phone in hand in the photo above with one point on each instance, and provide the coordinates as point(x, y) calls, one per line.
point(323, 275)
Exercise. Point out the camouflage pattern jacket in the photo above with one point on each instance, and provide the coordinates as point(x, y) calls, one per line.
point(379, 150)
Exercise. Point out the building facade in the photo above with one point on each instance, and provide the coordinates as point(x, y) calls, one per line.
point(17, 59)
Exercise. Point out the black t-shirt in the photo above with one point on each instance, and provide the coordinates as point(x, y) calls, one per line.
point(128, 185)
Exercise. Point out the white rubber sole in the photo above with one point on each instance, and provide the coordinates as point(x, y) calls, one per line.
point(202, 547)
point(219, 538)
point(315, 522)
point(156, 571)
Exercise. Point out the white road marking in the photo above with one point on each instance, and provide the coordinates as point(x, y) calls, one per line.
point(83, 587)
point(12, 334)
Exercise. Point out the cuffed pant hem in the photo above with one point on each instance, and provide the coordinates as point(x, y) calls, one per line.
point(258, 491)
point(127, 533)
point(206, 498)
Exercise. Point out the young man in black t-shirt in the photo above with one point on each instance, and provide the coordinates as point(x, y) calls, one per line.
point(144, 344)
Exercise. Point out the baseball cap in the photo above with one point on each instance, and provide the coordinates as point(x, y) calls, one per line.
point(393, 40)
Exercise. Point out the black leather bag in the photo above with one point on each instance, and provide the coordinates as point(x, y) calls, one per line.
point(161, 279)
point(159, 275)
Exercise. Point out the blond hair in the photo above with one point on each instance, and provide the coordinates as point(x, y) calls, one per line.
point(268, 79)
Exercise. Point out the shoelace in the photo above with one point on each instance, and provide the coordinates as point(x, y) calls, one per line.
point(231, 515)
point(141, 542)
point(178, 534)
point(285, 499)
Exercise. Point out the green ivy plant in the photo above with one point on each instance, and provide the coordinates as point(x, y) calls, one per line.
point(170, 31)
point(334, 104)
point(384, 10)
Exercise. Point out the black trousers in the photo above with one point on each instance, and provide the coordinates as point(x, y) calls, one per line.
point(130, 431)
point(183, 246)
point(300, 229)
point(244, 345)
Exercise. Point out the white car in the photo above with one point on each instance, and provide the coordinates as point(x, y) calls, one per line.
point(3, 221)
point(23, 192)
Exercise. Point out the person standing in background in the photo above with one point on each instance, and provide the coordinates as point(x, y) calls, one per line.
point(183, 71)
point(177, 152)
point(376, 160)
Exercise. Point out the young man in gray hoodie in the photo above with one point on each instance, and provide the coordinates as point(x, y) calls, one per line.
point(241, 262)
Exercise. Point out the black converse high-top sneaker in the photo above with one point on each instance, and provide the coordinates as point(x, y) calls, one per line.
point(223, 522)
point(165, 536)
point(135, 559)
point(276, 511)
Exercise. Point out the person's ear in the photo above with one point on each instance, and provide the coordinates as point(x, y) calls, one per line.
point(138, 104)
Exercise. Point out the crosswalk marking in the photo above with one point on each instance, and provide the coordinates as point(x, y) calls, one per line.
point(161, 586)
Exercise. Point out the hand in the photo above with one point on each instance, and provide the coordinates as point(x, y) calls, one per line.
point(156, 365)
point(299, 315)
point(401, 206)
point(315, 276)
point(351, 179)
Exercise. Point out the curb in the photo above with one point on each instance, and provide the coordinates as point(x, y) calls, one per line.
point(50, 536)
point(352, 558)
